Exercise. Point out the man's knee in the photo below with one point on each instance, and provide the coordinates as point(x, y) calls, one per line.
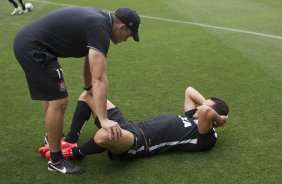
point(60, 104)
point(102, 138)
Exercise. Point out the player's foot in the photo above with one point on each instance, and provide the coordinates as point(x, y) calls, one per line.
point(24, 11)
point(17, 11)
point(68, 154)
point(47, 155)
point(65, 151)
point(65, 145)
point(43, 150)
point(65, 167)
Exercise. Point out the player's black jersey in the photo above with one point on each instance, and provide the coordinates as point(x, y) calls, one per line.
point(170, 132)
point(71, 31)
point(162, 133)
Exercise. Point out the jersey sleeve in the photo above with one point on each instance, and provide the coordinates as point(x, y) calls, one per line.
point(190, 113)
point(98, 39)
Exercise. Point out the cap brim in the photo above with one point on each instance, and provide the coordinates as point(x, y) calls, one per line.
point(136, 37)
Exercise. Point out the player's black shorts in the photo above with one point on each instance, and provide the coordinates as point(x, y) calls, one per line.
point(138, 147)
point(43, 72)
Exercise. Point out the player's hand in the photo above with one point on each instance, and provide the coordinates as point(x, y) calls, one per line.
point(222, 121)
point(89, 92)
point(113, 129)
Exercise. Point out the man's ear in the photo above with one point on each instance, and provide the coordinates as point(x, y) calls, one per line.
point(122, 27)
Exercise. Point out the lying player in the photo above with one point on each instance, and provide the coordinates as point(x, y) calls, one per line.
point(190, 133)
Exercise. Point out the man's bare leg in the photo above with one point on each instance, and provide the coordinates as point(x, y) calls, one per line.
point(115, 146)
point(54, 119)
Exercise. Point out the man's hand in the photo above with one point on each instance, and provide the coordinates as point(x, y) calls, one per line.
point(221, 122)
point(89, 92)
point(113, 129)
point(224, 119)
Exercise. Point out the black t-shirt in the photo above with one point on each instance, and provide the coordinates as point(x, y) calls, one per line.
point(71, 31)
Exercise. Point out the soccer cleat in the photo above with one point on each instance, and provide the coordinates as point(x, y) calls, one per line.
point(64, 145)
point(43, 150)
point(65, 167)
point(17, 11)
point(68, 154)
point(47, 155)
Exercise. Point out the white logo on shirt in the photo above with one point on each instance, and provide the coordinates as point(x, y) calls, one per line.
point(185, 121)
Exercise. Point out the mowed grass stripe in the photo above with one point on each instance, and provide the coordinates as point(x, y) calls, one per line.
point(184, 22)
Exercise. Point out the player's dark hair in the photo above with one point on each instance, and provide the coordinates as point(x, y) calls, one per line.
point(220, 106)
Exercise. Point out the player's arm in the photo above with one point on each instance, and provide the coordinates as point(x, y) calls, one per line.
point(193, 99)
point(207, 118)
point(87, 78)
point(97, 64)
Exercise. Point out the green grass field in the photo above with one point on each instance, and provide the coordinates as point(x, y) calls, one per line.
point(225, 48)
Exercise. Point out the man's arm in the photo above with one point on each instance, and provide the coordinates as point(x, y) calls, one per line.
point(87, 73)
point(97, 64)
point(192, 99)
point(207, 118)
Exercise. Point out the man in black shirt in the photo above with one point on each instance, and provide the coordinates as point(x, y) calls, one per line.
point(71, 32)
point(193, 132)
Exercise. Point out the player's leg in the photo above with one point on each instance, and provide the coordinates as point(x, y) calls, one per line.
point(17, 9)
point(22, 4)
point(100, 143)
point(14, 3)
point(115, 146)
point(54, 120)
point(85, 106)
point(88, 99)
point(81, 115)
point(46, 83)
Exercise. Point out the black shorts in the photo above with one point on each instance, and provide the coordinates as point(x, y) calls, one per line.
point(43, 73)
point(138, 147)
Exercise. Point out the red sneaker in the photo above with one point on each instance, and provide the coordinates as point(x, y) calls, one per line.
point(47, 155)
point(65, 144)
point(67, 153)
point(43, 150)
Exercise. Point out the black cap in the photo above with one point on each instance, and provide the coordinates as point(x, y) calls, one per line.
point(131, 19)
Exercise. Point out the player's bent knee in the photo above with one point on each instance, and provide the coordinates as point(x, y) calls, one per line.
point(83, 96)
point(102, 138)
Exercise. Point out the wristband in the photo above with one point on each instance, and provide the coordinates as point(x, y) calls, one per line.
point(87, 88)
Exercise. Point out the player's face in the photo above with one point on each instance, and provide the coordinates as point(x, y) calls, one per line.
point(121, 34)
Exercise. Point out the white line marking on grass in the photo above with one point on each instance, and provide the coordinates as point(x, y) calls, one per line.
point(183, 22)
point(56, 4)
point(214, 27)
